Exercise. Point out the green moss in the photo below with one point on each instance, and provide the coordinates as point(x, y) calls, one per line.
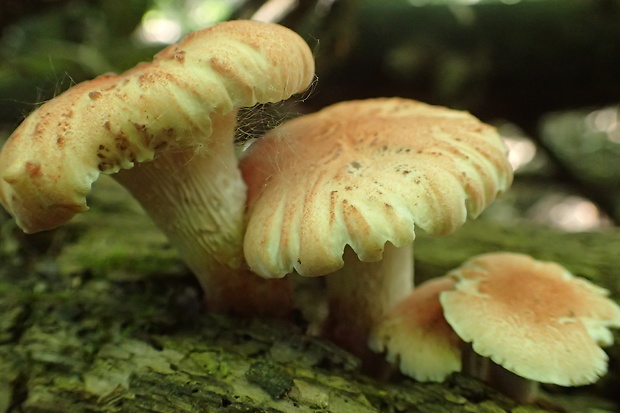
point(120, 254)
point(116, 240)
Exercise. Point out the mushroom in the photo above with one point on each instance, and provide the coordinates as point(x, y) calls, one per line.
point(505, 318)
point(533, 318)
point(167, 127)
point(336, 191)
point(416, 337)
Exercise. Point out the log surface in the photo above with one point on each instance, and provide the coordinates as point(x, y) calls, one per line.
point(101, 316)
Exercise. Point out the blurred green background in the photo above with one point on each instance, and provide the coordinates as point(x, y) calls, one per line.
point(546, 72)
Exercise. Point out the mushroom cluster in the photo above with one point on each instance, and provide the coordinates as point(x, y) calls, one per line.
point(336, 193)
point(340, 191)
point(504, 317)
point(165, 130)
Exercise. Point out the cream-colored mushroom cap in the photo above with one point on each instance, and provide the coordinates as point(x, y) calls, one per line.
point(362, 173)
point(416, 336)
point(49, 163)
point(533, 318)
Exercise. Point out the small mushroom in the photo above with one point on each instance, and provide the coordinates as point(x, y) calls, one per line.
point(533, 318)
point(417, 338)
point(505, 318)
point(168, 128)
point(336, 191)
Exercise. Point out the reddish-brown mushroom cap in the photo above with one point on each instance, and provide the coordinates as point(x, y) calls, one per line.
point(416, 336)
point(533, 318)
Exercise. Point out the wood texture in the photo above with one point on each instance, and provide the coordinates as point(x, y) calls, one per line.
point(100, 320)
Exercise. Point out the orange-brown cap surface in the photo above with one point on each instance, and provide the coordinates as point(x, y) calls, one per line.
point(533, 318)
point(362, 173)
point(100, 126)
point(415, 334)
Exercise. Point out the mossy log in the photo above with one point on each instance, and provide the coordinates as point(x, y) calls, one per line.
point(102, 317)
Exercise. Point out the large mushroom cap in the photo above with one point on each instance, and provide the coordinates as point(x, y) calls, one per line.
point(533, 318)
point(100, 126)
point(362, 173)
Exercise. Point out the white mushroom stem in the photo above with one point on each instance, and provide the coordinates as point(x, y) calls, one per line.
point(197, 198)
point(360, 293)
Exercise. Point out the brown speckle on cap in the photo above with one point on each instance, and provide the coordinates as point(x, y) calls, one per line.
point(122, 143)
point(33, 169)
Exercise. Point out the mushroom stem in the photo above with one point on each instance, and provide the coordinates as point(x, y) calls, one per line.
point(196, 196)
point(503, 380)
point(360, 293)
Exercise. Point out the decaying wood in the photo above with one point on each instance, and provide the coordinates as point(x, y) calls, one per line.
point(101, 316)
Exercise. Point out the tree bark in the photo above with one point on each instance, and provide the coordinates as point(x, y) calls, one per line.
point(101, 316)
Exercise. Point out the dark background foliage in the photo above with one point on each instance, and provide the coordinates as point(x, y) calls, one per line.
point(516, 64)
